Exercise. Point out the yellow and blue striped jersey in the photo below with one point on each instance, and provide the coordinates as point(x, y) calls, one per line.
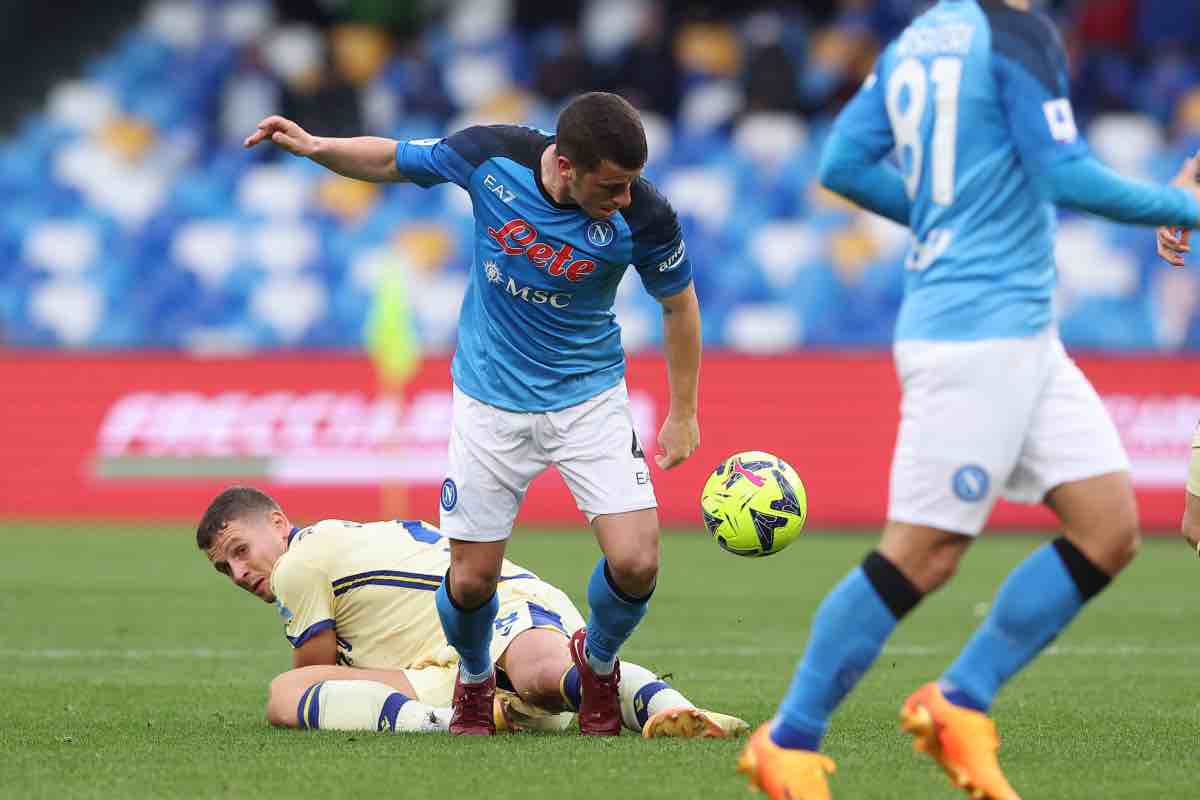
point(373, 584)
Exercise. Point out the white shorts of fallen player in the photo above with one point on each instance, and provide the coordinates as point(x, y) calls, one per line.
point(990, 418)
point(495, 454)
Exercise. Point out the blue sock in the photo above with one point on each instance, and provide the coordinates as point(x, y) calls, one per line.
point(469, 632)
point(613, 617)
point(848, 631)
point(1037, 600)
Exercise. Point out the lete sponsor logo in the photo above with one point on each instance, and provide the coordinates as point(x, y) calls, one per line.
point(318, 437)
point(520, 237)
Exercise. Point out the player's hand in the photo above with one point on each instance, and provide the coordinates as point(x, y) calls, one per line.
point(285, 134)
point(678, 438)
point(1173, 244)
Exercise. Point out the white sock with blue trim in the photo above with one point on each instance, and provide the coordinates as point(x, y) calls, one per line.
point(358, 705)
point(643, 694)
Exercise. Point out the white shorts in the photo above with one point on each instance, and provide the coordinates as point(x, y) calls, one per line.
point(495, 454)
point(1011, 417)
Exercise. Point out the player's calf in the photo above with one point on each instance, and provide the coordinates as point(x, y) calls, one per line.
point(537, 663)
point(1100, 518)
point(927, 557)
point(630, 544)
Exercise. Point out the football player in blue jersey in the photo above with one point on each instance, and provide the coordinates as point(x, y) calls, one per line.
point(972, 100)
point(539, 369)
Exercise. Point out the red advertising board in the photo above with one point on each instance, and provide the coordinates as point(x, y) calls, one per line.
point(144, 437)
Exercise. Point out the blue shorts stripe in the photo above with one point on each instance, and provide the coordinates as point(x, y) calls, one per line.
point(545, 618)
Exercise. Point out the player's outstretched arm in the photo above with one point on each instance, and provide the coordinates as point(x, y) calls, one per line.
point(680, 433)
point(1085, 184)
point(365, 158)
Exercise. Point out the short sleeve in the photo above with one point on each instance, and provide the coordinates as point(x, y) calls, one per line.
point(428, 162)
point(1030, 67)
point(304, 596)
point(659, 253)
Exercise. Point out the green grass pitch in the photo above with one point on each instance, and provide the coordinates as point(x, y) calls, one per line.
point(131, 669)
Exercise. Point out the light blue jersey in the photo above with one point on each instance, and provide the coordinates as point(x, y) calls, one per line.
point(972, 99)
point(537, 330)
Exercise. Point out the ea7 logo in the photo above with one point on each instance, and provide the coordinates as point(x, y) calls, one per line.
point(495, 187)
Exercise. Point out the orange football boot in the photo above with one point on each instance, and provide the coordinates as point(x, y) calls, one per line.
point(964, 742)
point(784, 774)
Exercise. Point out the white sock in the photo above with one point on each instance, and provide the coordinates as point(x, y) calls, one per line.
point(359, 705)
point(470, 677)
point(598, 666)
point(643, 695)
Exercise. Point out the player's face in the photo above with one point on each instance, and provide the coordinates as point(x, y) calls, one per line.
point(603, 190)
point(247, 549)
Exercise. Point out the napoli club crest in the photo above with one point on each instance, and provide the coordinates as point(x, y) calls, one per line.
point(449, 495)
point(970, 483)
point(600, 233)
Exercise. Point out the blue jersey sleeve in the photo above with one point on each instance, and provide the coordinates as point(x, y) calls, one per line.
point(865, 118)
point(853, 161)
point(428, 162)
point(659, 254)
point(848, 168)
point(1030, 67)
point(1087, 185)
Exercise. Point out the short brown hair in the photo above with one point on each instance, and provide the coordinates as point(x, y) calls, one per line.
point(599, 126)
point(236, 502)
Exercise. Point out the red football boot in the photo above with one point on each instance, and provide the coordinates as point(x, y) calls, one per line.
point(599, 707)
point(473, 704)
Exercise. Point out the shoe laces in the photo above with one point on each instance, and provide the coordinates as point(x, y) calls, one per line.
point(468, 707)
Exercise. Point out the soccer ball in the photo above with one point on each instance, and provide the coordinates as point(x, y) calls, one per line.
point(754, 504)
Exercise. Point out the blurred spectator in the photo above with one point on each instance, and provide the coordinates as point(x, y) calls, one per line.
point(134, 217)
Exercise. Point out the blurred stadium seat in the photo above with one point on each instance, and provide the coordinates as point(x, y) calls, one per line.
point(135, 220)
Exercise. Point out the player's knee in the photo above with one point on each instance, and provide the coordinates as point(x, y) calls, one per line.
point(635, 572)
point(1124, 545)
point(281, 702)
point(471, 587)
point(938, 570)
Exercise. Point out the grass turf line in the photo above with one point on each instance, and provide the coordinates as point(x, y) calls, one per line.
point(134, 670)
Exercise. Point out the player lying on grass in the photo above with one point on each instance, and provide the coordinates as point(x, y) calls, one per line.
point(358, 606)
